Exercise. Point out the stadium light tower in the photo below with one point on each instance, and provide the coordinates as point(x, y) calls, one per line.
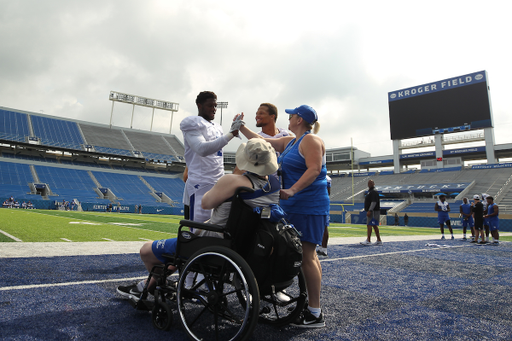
point(222, 105)
point(144, 102)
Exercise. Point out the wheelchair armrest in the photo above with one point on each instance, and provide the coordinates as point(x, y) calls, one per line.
point(203, 226)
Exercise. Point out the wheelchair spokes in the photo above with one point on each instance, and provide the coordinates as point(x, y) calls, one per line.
point(280, 306)
point(214, 308)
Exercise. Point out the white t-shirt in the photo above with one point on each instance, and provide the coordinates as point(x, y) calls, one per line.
point(204, 141)
point(443, 205)
point(282, 133)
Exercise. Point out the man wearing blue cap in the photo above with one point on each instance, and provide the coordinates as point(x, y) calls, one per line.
point(304, 197)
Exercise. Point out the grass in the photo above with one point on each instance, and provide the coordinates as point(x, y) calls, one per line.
point(53, 226)
point(347, 230)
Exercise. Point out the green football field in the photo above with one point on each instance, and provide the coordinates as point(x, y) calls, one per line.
point(62, 226)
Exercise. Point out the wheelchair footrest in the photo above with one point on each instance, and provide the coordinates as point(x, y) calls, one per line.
point(142, 304)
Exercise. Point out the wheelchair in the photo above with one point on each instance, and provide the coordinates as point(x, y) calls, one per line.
point(225, 301)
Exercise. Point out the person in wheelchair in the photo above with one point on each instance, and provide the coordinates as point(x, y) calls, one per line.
point(258, 159)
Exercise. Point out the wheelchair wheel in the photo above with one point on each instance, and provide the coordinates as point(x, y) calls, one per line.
point(162, 316)
point(282, 306)
point(223, 304)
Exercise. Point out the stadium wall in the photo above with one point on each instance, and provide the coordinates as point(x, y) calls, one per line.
point(430, 220)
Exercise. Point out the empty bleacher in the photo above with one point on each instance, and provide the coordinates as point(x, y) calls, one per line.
point(490, 181)
point(153, 146)
point(127, 188)
point(172, 187)
point(69, 184)
point(57, 132)
point(106, 140)
point(14, 180)
point(176, 145)
point(13, 126)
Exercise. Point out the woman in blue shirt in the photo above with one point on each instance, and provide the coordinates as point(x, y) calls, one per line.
point(304, 197)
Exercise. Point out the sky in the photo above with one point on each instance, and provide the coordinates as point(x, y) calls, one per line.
point(63, 57)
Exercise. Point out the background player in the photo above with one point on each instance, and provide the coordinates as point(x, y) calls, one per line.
point(467, 218)
point(443, 208)
point(493, 219)
point(372, 208)
point(478, 215)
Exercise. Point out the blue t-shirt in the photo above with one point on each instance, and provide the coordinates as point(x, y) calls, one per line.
point(312, 200)
point(490, 210)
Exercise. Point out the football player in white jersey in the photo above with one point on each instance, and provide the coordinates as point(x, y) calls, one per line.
point(266, 118)
point(203, 141)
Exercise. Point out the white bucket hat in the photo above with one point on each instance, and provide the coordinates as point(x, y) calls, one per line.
point(257, 156)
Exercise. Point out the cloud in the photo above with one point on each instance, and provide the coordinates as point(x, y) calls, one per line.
point(342, 58)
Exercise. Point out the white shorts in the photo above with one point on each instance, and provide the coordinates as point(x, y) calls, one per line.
point(195, 196)
point(186, 198)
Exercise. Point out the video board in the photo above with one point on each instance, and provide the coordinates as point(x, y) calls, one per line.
point(450, 105)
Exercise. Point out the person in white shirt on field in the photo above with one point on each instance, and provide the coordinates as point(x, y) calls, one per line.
point(203, 141)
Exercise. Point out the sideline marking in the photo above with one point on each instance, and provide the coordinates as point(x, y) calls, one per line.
point(33, 286)
point(387, 253)
point(10, 236)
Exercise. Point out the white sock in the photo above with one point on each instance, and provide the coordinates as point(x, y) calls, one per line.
point(140, 285)
point(315, 311)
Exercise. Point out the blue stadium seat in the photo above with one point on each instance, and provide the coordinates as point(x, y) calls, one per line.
point(68, 183)
point(127, 187)
point(173, 188)
point(13, 126)
point(58, 133)
point(14, 179)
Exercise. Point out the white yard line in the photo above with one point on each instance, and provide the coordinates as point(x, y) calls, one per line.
point(388, 253)
point(10, 236)
point(50, 285)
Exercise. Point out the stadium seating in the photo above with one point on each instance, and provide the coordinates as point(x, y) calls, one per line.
point(69, 184)
point(56, 132)
point(151, 145)
point(14, 179)
point(13, 126)
point(128, 188)
point(172, 187)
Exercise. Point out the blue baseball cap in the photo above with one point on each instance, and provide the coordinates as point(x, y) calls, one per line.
point(304, 111)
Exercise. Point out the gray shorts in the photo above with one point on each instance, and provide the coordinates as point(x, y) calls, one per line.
point(374, 219)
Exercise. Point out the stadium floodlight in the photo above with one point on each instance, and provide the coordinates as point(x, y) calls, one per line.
point(144, 102)
point(222, 105)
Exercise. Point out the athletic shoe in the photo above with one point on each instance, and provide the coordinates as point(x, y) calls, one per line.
point(482, 242)
point(321, 251)
point(442, 238)
point(473, 241)
point(378, 242)
point(129, 291)
point(308, 320)
point(282, 297)
point(366, 242)
point(453, 237)
point(495, 243)
point(464, 238)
